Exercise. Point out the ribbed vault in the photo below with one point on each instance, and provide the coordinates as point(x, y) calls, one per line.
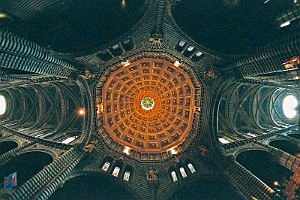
point(247, 111)
point(44, 110)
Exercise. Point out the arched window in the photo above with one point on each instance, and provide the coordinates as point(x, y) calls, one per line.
point(191, 167)
point(183, 173)
point(126, 176)
point(174, 176)
point(105, 166)
point(116, 171)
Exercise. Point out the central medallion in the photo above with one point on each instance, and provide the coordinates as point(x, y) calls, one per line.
point(147, 103)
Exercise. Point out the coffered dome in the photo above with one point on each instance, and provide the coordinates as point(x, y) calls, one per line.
point(149, 106)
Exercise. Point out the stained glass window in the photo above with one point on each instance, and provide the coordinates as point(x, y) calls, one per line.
point(126, 176)
point(191, 167)
point(174, 176)
point(116, 171)
point(182, 171)
point(105, 166)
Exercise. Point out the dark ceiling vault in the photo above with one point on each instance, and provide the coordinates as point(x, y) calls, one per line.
point(233, 29)
point(74, 26)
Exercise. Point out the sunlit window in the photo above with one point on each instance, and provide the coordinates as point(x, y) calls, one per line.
point(105, 166)
point(69, 140)
point(182, 171)
point(126, 176)
point(285, 24)
point(223, 140)
point(126, 150)
point(191, 167)
point(199, 53)
point(181, 43)
point(173, 151)
point(289, 106)
point(2, 105)
point(174, 176)
point(116, 171)
point(190, 48)
point(251, 134)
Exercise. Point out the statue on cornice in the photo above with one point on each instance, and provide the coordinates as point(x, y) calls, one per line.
point(210, 73)
point(87, 74)
point(152, 181)
point(90, 147)
point(151, 175)
point(203, 150)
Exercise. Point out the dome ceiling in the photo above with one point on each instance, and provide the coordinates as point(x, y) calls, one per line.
point(149, 106)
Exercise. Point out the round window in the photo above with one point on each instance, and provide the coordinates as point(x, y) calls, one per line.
point(289, 106)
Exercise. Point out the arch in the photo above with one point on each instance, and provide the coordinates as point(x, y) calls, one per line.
point(92, 187)
point(239, 151)
point(223, 124)
point(294, 135)
point(263, 165)
point(26, 165)
point(286, 146)
point(206, 189)
point(7, 146)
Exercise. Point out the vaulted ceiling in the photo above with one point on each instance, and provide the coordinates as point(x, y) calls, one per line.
point(75, 26)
